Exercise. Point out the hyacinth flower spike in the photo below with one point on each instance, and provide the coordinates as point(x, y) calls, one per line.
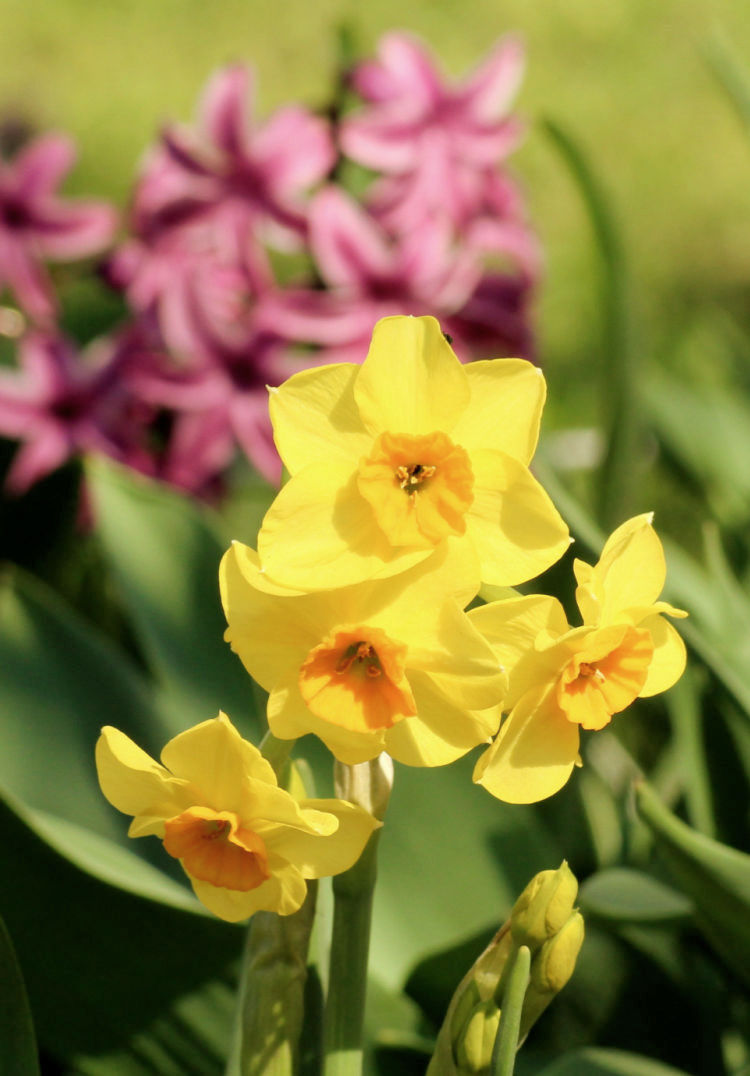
point(563, 679)
point(389, 459)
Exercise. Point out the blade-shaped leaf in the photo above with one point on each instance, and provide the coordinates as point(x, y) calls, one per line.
point(17, 1042)
point(623, 895)
point(164, 552)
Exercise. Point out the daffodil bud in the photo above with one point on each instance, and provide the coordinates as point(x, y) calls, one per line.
point(551, 968)
point(470, 1022)
point(544, 907)
point(473, 1048)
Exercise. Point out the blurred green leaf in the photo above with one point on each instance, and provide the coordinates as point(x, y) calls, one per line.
point(618, 384)
point(60, 681)
point(164, 552)
point(600, 1062)
point(105, 968)
point(715, 877)
point(707, 428)
point(621, 894)
point(488, 851)
point(17, 1041)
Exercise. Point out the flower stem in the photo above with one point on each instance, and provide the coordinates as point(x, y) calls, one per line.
point(347, 982)
point(276, 752)
point(271, 995)
point(506, 1043)
point(367, 785)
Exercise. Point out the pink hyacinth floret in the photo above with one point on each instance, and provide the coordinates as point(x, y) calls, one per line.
point(36, 225)
point(60, 404)
point(438, 144)
point(226, 158)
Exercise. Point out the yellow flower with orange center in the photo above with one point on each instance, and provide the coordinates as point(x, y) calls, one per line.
point(389, 459)
point(563, 679)
point(386, 665)
point(246, 844)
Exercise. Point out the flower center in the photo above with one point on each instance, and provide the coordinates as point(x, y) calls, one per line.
point(434, 474)
point(606, 676)
point(356, 678)
point(214, 847)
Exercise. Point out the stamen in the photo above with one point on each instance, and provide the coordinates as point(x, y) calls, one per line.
point(588, 670)
point(364, 654)
point(411, 475)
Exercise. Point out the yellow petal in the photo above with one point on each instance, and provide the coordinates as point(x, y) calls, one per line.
point(630, 572)
point(507, 399)
point(320, 533)
point(289, 718)
point(284, 893)
point(534, 753)
point(516, 529)
point(217, 761)
point(464, 662)
point(315, 417)
point(411, 381)
point(511, 628)
point(268, 632)
point(441, 732)
point(668, 662)
point(132, 781)
point(321, 857)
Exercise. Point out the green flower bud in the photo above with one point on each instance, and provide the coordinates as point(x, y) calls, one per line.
point(544, 906)
point(474, 1046)
point(551, 968)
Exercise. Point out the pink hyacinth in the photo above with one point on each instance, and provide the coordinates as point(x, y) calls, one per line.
point(36, 225)
point(369, 275)
point(60, 404)
point(438, 144)
point(225, 158)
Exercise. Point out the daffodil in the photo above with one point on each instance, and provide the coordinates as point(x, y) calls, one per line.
point(390, 458)
point(387, 665)
point(246, 844)
point(563, 678)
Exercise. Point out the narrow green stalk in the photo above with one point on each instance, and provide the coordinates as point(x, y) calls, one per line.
point(276, 752)
point(506, 1044)
point(347, 981)
point(270, 1008)
point(367, 785)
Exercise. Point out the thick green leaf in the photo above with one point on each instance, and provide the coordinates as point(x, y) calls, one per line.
point(715, 877)
point(623, 895)
point(451, 862)
point(105, 968)
point(59, 683)
point(164, 552)
point(600, 1062)
point(18, 1054)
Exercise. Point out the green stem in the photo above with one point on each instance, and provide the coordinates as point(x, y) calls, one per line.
point(347, 981)
point(276, 752)
point(368, 785)
point(270, 1007)
point(506, 1044)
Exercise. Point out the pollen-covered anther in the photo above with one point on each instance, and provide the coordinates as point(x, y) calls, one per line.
point(441, 475)
point(411, 475)
point(588, 670)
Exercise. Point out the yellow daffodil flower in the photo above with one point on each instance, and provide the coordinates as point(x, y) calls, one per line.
point(390, 458)
point(388, 665)
point(246, 844)
point(562, 679)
